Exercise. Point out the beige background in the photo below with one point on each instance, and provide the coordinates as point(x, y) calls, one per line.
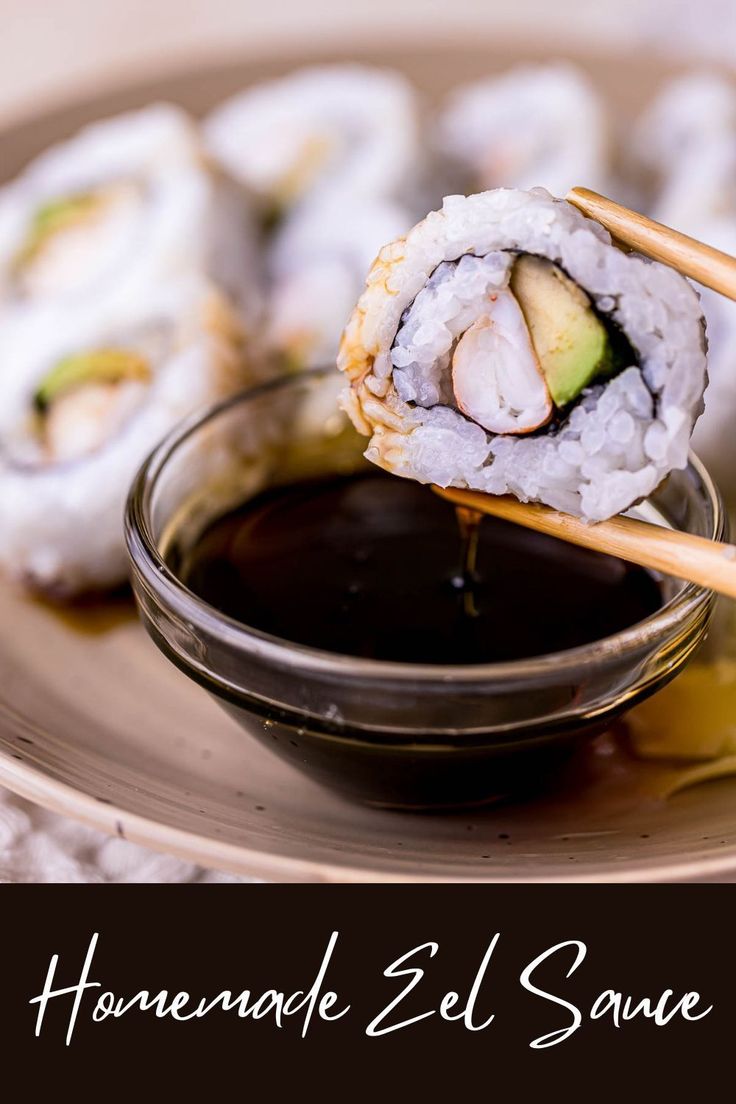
point(54, 48)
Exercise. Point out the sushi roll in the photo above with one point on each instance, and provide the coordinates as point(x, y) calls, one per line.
point(89, 400)
point(505, 345)
point(128, 202)
point(327, 130)
point(714, 439)
point(534, 125)
point(331, 155)
point(317, 265)
point(685, 148)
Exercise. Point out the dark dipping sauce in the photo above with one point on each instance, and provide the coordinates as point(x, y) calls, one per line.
point(372, 565)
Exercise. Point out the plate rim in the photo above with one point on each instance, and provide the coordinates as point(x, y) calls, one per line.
point(59, 797)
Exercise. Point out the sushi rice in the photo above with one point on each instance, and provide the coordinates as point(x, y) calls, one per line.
point(610, 447)
point(62, 497)
point(129, 298)
point(334, 153)
point(334, 129)
point(318, 262)
point(535, 125)
point(685, 144)
point(129, 201)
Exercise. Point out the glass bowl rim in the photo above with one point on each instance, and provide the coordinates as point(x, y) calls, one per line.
point(169, 592)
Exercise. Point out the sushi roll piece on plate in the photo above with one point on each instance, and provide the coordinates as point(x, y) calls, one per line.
point(317, 264)
point(505, 345)
point(128, 201)
point(685, 146)
point(714, 438)
point(89, 401)
point(332, 156)
point(533, 125)
point(339, 129)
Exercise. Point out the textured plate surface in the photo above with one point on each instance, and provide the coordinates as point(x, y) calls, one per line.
point(94, 723)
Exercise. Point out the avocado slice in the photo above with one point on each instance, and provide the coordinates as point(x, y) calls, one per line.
point(570, 340)
point(94, 366)
point(53, 216)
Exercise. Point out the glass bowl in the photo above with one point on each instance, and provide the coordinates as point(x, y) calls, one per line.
point(393, 734)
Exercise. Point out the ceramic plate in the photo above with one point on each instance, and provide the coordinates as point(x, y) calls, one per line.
point(95, 724)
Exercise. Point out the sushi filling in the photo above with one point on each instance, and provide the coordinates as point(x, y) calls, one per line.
point(296, 166)
point(507, 340)
point(86, 399)
point(496, 376)
point(71, 239)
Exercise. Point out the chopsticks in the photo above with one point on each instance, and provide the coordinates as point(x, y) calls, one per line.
point(684, 556)
point(703, 263)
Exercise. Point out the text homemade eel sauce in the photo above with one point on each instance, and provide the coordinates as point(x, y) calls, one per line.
point(371, 565)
